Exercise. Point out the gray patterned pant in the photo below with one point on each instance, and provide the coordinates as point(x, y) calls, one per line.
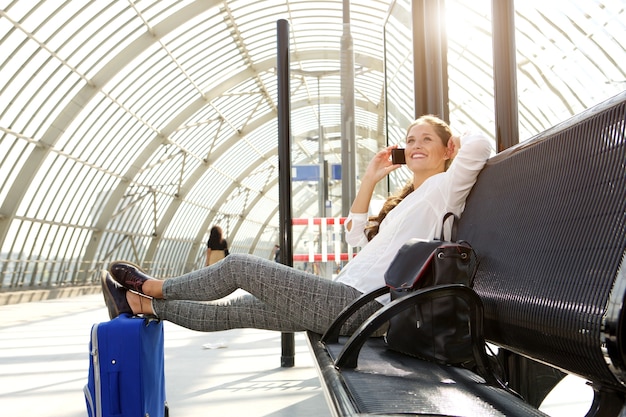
point(279, 298)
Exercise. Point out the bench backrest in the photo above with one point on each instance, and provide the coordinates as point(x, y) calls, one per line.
point(548, 221)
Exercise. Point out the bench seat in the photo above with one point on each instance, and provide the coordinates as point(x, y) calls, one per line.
point(390, 383)
point(547, 219)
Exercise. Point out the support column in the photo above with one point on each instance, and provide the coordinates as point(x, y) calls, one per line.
point(505, 73)
point(284, 170)
point(348, 137)
point(430, 53)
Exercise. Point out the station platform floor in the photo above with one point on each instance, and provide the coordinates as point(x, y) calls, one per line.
point(44, 362)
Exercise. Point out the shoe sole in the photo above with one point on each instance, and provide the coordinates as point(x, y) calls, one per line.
point(108, 297)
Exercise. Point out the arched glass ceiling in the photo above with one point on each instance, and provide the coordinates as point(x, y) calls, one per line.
point(129, 128)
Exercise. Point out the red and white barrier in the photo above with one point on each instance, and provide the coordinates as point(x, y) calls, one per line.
point(328, 227)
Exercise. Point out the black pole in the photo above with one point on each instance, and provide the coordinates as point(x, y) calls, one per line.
point(284, 172)
point(505, 73)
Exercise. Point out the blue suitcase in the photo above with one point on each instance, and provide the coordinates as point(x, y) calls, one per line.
point(126, 369)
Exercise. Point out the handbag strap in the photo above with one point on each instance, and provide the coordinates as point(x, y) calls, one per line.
point(455, 220)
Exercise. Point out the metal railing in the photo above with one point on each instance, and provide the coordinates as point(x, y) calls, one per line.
point(24, 274)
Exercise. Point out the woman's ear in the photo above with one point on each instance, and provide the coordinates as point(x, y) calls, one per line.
point(454, 144)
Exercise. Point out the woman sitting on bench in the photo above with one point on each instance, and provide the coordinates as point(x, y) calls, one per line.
point(286, 299)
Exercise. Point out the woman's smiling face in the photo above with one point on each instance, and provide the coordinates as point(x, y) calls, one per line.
point(425, 150)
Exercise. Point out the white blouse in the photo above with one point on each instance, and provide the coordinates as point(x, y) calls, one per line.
point(419, 215)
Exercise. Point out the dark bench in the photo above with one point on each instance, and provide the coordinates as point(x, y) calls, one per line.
point(547, 219)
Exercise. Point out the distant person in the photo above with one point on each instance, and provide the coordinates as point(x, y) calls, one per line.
point(276, 253)
point(217, 247)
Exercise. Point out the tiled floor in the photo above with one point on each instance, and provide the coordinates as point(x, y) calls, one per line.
point(44, 363)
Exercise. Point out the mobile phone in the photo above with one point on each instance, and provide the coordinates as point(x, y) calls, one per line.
point(397, 156)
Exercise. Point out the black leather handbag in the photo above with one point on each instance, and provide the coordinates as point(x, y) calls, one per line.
point(436, 329)
point(434, 314)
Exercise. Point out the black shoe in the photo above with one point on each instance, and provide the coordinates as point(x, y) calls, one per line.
point(128, 275)
point(114, 296)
